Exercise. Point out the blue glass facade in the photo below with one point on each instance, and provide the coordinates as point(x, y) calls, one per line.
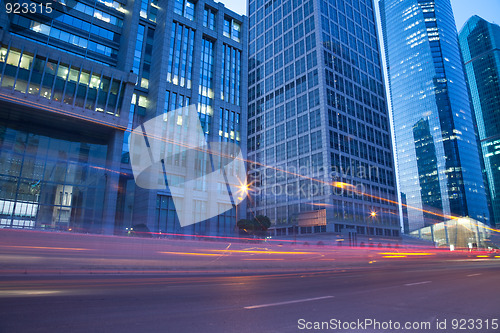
point(51, 179)
point(71, 83)
point(436, 142)
point(90, 31)
point(480, 44)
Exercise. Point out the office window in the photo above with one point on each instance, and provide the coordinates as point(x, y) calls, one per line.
point(304, 144)
point(184, 8)
point(316, 140)
point(209, 18)
point(291, 148)
point(231, 77)
point(149, 9)
point(232, 29)
point(291, 128)
point(180, 61)
point(206, 93)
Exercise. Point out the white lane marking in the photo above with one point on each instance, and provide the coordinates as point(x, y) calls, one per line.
point(474, 274)
point(288, 302)
point(416, 283)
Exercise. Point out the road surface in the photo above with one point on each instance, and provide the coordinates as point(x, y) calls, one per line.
point(397, 290)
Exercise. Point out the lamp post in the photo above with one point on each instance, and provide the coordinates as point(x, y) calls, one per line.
point(236, 207)
point(373, 214)
point(243, 189)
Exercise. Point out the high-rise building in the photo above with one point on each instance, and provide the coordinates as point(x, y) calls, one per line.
point(480, 44)
point(318, 129)
point(436, 143)
point(78, 76)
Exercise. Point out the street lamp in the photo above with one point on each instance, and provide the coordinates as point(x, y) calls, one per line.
point(243, 189)
point(373, 214)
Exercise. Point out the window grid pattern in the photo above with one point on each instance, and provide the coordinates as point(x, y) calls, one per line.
point(52, 34)
point(60, 82)
point(184, 8)
point(50, 183)
point(180, 61)
point(231, 78)
point(229, 126)
point(209, 18)
point(206, 93)
point(284, 78)
point(149, 10)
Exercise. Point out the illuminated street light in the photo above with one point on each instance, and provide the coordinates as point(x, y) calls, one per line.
point(373, 214)
point(243, 189)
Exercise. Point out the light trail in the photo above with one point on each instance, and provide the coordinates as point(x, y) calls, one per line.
point(263, 252)
point(407, 253)
point(45, 247)
point(149, 136)
point(192, 253)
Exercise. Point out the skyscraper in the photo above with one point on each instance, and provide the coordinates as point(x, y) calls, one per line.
point(318, 129)
point(436, 143)
point(78, 76)
point(480, 43)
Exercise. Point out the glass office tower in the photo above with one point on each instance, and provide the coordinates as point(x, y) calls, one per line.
point(480, 43)
point(76, 80)
point(318, 129)
point(436, 143)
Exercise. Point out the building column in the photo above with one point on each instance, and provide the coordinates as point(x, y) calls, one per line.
point(112, 175)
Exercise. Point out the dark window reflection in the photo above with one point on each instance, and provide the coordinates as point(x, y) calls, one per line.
point(50, 183)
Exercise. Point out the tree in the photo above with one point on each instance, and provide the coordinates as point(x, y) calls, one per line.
point(244, 224)
point(256, 226)
point(262, 222)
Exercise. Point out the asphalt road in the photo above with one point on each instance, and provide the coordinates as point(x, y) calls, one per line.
point(415, 291)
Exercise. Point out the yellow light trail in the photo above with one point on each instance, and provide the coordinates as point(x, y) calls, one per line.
point(408, 253)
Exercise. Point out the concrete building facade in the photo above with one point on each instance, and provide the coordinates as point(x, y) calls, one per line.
point(76, 81)
point(318, 132)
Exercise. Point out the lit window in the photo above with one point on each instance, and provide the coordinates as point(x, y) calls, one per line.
point(232, 29)
point(184, 8)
